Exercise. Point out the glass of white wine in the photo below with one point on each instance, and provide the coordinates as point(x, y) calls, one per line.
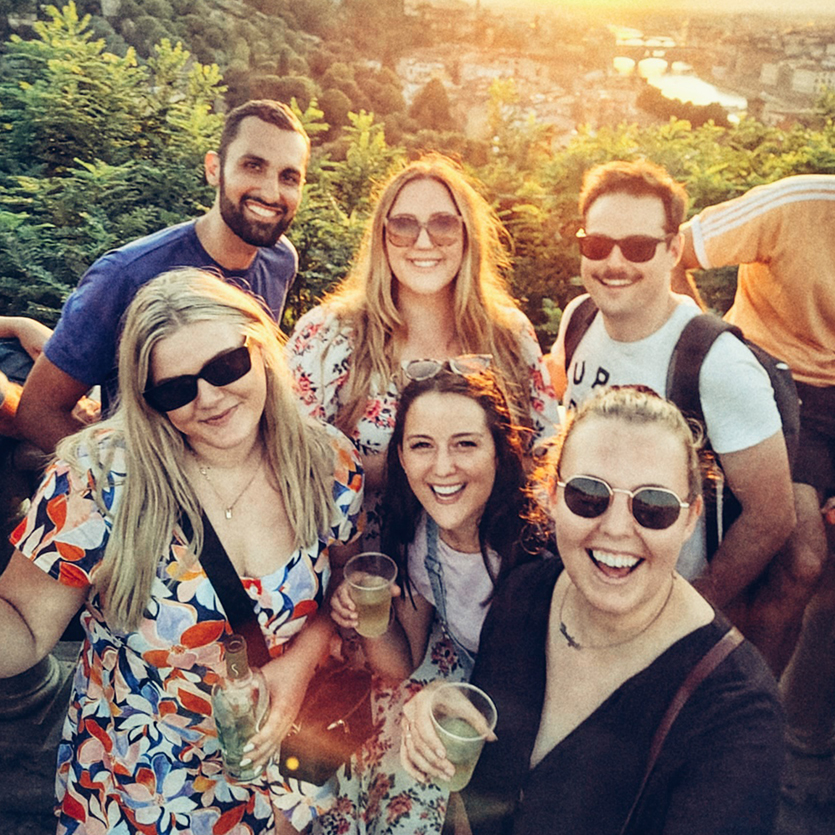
point(370, 576)
point(463, 716)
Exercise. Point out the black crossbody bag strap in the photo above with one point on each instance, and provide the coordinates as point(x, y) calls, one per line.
point(709, 662)
point(229, 589)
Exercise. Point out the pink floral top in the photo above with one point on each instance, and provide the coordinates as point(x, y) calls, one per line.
point(319, 354)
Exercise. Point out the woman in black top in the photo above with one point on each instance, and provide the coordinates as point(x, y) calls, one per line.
point(583, 662)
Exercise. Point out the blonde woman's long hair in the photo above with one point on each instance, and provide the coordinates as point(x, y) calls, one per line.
point(156, 494)
point(483, 307)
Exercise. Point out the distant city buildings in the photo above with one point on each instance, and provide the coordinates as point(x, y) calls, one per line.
point(572, 79)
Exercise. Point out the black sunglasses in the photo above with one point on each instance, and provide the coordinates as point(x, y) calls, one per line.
point(653, 507)
point(464, 365)
point(443, 228)
point(221, 370)
point(635, 248)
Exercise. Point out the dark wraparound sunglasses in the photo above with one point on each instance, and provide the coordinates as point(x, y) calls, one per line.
point(635, 248)
point(653, 507)
point(443, 228)
point(221, 370)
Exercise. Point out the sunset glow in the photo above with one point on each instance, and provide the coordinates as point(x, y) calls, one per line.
point(824, 8)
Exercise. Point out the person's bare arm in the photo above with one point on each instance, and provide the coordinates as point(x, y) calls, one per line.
point(374, 468)
point(9, 398)
point(45, 413)
point(760, 478)
point(682, 280)
point(555, 363)
point(388, 654)
point(31, 334)
point(287, 679)
point(399, 651)
point(416, 619)
point(34, 611)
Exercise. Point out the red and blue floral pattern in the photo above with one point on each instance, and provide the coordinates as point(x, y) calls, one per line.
point(379, 797)
point(139, 752)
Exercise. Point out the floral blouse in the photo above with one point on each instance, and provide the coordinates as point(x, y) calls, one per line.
point(319, 354)
point(139, 751)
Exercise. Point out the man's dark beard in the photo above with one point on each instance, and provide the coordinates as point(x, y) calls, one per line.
point(252, 232)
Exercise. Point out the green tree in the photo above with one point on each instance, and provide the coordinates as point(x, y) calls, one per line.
point(340, 76)
point(368, 160)
point(338, 201)
point(318, 17)
point(97, 150)
point(431, 107)
point(64, 97)
point(283, 89)
point(145, 31)
point(336, 106)
point(825, 106)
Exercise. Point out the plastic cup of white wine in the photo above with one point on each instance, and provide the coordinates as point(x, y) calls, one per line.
point(370, 576)
point(463, 716)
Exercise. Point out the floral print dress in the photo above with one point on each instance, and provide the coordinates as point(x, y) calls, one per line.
point(319, 355)
point(139, 752)
point(376, 796)
point(379, 797)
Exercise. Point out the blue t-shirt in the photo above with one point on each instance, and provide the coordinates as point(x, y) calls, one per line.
point(85, 338)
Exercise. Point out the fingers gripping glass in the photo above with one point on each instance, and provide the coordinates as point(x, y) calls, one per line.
point(443, 228)
point(635, 248)
point(463, 365)
point(653, 507)
point(221, 370)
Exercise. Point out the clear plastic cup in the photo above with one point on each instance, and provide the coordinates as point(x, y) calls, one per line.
point(369, 577)
point(463, 716)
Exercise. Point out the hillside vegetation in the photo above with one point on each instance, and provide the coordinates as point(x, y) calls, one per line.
point(104, 124)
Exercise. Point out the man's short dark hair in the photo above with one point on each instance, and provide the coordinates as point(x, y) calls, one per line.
point(272, 112)
point(637, 179)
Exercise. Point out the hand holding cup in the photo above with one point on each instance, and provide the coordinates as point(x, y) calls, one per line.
point(428, 751)
point(464, 717)
point(369, 578)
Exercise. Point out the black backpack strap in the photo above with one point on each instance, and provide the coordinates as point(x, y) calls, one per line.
point(722, 507)
point(578, 324)
point(689, 353)
point(229, 589)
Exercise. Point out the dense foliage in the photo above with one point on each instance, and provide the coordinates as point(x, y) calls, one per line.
point(103, 132)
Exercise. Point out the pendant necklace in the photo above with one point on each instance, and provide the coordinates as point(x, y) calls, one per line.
point(204, 470)
point(575, 644)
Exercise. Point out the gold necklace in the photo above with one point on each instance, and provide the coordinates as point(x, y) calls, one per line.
point(575, 644)
point(204, 469)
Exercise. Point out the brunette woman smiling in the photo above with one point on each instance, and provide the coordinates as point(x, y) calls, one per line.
point(454, 514)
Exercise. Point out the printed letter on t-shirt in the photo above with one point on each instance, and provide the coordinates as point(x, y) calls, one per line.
point(601, 378)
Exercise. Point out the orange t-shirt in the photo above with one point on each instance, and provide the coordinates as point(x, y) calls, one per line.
point(783, 237)
point(10, 394)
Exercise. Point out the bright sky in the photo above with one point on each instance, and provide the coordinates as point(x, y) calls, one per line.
point(794, 8)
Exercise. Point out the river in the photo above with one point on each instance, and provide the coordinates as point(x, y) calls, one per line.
point(676, 80)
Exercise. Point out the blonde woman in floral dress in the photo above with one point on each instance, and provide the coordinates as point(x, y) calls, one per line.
point(207, 428)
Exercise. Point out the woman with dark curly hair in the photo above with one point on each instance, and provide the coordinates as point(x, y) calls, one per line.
point(453, 518)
